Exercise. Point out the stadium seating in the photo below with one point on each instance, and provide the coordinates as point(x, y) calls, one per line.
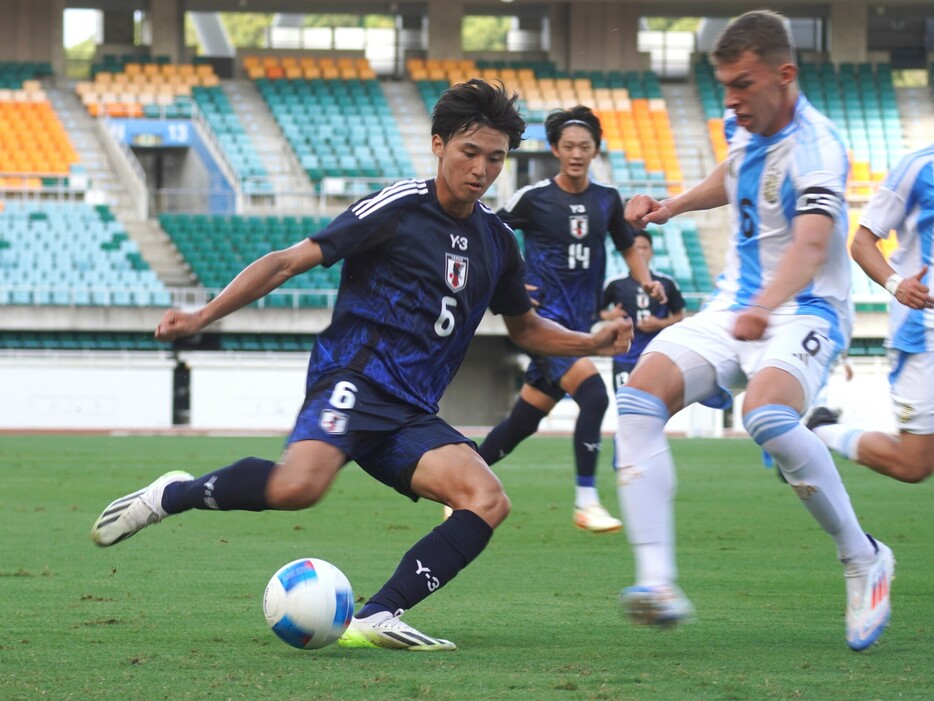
point(71, 254)
point(338, 127)
point(288, 342)
point(218, 247)
point(34, 149)
point(145, 89)
point(14, 73)
point(308, 67)
point(232, 137)
point(80, 340)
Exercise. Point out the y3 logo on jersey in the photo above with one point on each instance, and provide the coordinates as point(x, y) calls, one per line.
point(459, 242)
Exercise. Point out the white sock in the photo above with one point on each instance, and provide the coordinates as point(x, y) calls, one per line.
point(843, 440)
point(585, 496)
point(809, 469)
point(646, 485)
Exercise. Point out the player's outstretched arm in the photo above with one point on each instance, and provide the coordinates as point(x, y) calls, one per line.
point(710, 192)
point(545, 337)
point(910, 291)
point(258, 279)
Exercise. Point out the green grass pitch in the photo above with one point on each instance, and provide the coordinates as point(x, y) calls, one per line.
point(175, 612)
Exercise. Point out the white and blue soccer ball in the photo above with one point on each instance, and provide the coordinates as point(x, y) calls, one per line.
point(308, 603)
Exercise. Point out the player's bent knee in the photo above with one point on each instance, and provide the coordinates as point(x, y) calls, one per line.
point(912, 461)
point(492, 505)
point(916, 470)
point(591, 396)
point(494, 508)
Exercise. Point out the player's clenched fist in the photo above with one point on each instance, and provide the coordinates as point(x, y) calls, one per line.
point(642, 210)
point(614, 338)
point(177, 324)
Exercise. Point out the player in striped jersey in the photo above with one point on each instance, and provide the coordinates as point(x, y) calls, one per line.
point(423, 260)
point(778, 319)
point(905, 203)
point(565, 221)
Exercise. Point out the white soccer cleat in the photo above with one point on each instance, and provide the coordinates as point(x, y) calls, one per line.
point(596, 519)
point(132, 513)
point(868, 606)
point(386, 630)
point(661, 605)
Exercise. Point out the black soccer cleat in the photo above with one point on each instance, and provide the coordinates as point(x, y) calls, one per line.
point(822, 416)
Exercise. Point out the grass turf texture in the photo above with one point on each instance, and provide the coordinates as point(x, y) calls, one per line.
point(175, 612)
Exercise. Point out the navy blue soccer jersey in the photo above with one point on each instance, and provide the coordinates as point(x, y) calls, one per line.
point(637, 304)
point(414, 287)
point(565, 246)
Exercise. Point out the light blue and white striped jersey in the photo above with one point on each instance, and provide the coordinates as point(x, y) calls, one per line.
point(769, 181)
point(905, 202)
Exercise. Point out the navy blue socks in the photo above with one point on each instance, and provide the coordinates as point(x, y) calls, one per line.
point(521, 423)
point(241, 486)
point(592, 399)
point(432, 562)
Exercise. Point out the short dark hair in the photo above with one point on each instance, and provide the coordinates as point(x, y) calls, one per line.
point(559, 119)
point(644, 233)
point(477, 103)
point(762, 32)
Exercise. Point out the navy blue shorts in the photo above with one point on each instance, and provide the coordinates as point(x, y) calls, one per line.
point(621, 373)
point(381, 433)
point(545, 372)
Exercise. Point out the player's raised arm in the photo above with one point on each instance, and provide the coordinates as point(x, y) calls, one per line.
point(640, 271)
point(258, 279)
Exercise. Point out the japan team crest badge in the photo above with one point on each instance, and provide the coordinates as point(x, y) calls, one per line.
point(333, 422)
point(455, 271)
point(579, 225)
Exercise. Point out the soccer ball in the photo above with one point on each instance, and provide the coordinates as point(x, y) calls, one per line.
point(308, 603)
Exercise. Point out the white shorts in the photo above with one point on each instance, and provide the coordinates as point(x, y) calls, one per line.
point(799, 344)
point(912, 391)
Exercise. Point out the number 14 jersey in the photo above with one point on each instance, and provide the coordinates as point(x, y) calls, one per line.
point(565, 246)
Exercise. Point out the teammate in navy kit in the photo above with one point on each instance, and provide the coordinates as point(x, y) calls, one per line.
point(423, 260)
point(565, 221)
point(624, 297)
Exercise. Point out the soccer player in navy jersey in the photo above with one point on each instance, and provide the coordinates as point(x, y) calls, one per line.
point(625, 297)
point(780, 315)
point(565, 221)
point(423, 260)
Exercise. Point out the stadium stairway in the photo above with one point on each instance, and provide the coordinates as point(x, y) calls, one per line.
point(697, 158)
point(154, 244)
point(83, 132)
point(284, 170)
point(414, 125)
